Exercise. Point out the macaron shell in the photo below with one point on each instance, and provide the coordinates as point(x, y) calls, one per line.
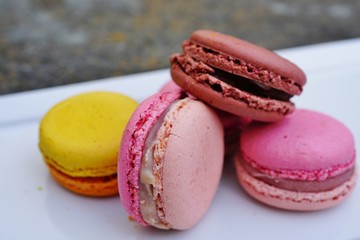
point(251, 107)
point(132, 144)
point(250, 53)
point(290, 200)
point(80, 136)
point(305, 140)
point(92, 187)
point(192, 165)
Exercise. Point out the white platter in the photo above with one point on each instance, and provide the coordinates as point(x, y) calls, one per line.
point(33, 206)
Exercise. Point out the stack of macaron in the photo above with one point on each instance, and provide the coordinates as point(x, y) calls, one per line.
point(227, 97)
point(284, 157)
point(294, 161)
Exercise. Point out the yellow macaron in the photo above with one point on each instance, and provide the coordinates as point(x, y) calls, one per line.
point(80, 139)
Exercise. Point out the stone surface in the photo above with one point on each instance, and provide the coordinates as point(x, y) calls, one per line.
point(47, 43)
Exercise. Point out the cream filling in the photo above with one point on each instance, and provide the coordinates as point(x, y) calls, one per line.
point(151, 205)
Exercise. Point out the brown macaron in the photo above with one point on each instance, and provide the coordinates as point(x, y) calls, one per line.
point(237, 76)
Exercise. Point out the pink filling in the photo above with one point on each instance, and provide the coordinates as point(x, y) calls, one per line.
point(299, 185)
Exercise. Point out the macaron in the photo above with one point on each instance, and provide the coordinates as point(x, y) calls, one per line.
point(170, 161)
point(237, 76)
point(304, 162)
point(79, 140)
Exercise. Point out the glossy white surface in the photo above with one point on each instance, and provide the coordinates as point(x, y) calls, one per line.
point(33, 206)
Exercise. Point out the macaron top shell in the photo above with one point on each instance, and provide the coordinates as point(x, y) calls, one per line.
point(192, 165)
point(305, 145)
point(80, 135)
point(254, 61)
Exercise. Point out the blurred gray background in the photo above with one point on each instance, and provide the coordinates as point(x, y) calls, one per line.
point(46, 43)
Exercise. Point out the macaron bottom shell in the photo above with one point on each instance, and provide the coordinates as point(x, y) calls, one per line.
point(293, 200)
point(88, 186)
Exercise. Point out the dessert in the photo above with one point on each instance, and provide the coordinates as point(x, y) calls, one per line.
point(170, 161)
point(304, 162)
point(79, 140)
point(237, 76)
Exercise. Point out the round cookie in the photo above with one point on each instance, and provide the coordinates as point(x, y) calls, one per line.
point(79, 140)
point(237, 76)
point(304, 162)
point(170, 161)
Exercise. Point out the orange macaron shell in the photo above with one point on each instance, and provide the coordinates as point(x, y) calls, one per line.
point(87, 186)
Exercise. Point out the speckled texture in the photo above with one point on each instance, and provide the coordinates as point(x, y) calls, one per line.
point(54, 42)
point(192, 165)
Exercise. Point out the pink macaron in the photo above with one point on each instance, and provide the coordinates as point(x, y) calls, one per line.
point(170, 161)
point(237, 76)
point(304, 162)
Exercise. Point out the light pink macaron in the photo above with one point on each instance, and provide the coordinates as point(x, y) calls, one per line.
point(304, 162)
point(170, 161)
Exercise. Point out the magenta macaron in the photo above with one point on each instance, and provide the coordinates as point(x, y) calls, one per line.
point(237, 76)
point(304, 162)
point(170, 161)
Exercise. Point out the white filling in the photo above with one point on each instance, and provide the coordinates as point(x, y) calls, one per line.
point(147, 180)
point(155, 144)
